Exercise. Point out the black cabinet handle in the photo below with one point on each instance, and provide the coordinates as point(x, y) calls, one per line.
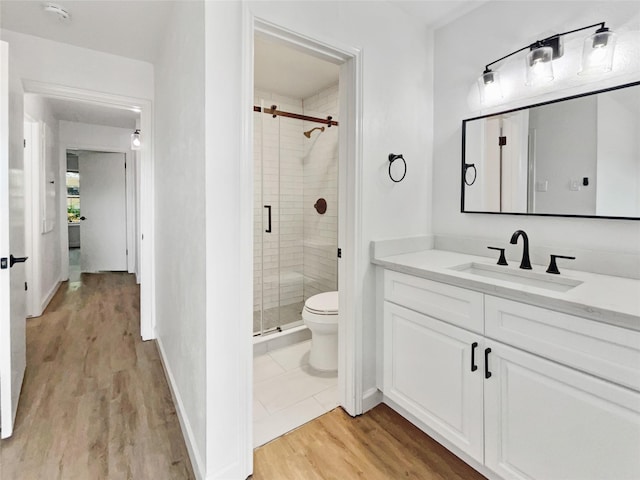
point(268, 207)
point(13, 260)
point(474, 367)
point(487, 373)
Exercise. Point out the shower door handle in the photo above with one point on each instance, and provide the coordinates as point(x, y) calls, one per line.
point(268, 207)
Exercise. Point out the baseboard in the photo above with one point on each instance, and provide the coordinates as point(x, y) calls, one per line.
point(187, 432)
point(45, 302)
point(371, 399)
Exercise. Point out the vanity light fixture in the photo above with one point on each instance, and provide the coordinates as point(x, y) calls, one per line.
point(136, 142)
point(597, 56)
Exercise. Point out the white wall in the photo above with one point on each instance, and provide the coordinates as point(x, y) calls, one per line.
point(45, 242)
point(462, 49)
point(76, 135)
point(397, 118)
point(179, 206)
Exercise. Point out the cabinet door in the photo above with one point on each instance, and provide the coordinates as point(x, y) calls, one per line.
point(549, 422)
point(428, 372)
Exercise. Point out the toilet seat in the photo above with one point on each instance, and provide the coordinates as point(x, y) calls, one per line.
point(322, 304)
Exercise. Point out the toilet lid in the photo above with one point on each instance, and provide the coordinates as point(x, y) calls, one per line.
point(323, 303)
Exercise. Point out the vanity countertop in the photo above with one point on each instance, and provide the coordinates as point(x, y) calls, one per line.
point(603, 298)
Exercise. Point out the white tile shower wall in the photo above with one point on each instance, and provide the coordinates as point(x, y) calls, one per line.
point(321, 181)
point(278, 255)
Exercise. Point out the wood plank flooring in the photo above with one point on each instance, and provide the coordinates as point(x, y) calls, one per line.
point(380, 445)
point(95, 403)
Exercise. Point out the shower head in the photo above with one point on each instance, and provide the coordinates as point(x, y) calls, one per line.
point(308, 134)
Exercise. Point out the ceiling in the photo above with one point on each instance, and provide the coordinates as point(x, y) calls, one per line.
point(126, 28)
point(285, 71)
point(436, 13)
point(74, 111)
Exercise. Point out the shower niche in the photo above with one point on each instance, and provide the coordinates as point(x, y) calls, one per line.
point(295, 164)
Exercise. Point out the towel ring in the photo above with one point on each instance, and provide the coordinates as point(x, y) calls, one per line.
point(392, 158)
point(468, 166)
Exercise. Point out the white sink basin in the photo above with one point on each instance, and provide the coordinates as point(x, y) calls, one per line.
point(521, 277)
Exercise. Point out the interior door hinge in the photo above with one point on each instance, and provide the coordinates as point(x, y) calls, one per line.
point(25, 286)
point(25, 142)
point(339, 253)
point(502, 141)
point(127, 251)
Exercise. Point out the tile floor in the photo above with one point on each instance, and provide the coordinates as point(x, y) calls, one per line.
point(288, 393)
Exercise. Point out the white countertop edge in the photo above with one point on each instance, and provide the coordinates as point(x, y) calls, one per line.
point(534, 296)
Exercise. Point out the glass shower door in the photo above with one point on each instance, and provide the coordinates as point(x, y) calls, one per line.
point(278, 262)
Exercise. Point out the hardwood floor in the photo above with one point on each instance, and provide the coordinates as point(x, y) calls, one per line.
point(95, 403)
point(380, 445)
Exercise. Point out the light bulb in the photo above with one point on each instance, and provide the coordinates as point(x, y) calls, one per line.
point(597, 52)
point(539, 68)
point(136, 142)
point(489, 87)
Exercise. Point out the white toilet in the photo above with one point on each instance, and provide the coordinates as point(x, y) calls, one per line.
point(320, 315)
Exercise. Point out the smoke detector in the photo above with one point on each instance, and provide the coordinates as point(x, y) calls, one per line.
point(56, 10)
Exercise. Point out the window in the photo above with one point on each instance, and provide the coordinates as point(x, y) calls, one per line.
point(73, 197)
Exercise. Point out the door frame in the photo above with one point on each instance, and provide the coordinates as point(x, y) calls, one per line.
point(145, 184)
point(350, 330)
point(32, 161)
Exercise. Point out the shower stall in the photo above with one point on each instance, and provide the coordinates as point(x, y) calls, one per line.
point(295, 178)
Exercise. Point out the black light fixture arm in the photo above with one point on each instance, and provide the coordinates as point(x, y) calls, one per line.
point(545, 42)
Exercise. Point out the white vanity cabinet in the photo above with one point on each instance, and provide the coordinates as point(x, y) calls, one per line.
point(558, 397)
point(429, 373)
point(550, 422)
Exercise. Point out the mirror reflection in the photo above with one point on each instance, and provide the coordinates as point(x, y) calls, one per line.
point(577, 156)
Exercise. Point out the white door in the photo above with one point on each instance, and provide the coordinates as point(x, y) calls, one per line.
point(12, 294)
point(545, 421)
point(103, 212)
point(434, 371)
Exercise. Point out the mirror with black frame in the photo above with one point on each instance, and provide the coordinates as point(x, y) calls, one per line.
point(576, 156)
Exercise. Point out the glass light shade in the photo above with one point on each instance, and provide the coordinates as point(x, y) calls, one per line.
point(136, 142)
point(597, 52)
point(489, 87)
point(539, 68)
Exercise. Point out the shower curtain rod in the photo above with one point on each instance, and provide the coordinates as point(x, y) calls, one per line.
point(275, 112)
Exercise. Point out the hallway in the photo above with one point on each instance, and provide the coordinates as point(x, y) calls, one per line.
point(95, 402)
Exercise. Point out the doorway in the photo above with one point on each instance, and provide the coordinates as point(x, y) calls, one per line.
point(296, 135)
point(349, 62)
point(98, 212)
point(73, 216)
point(143, 180)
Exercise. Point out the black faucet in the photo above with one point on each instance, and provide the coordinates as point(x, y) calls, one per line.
point(525, 263)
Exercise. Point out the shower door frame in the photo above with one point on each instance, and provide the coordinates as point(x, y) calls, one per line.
point(350, 266)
